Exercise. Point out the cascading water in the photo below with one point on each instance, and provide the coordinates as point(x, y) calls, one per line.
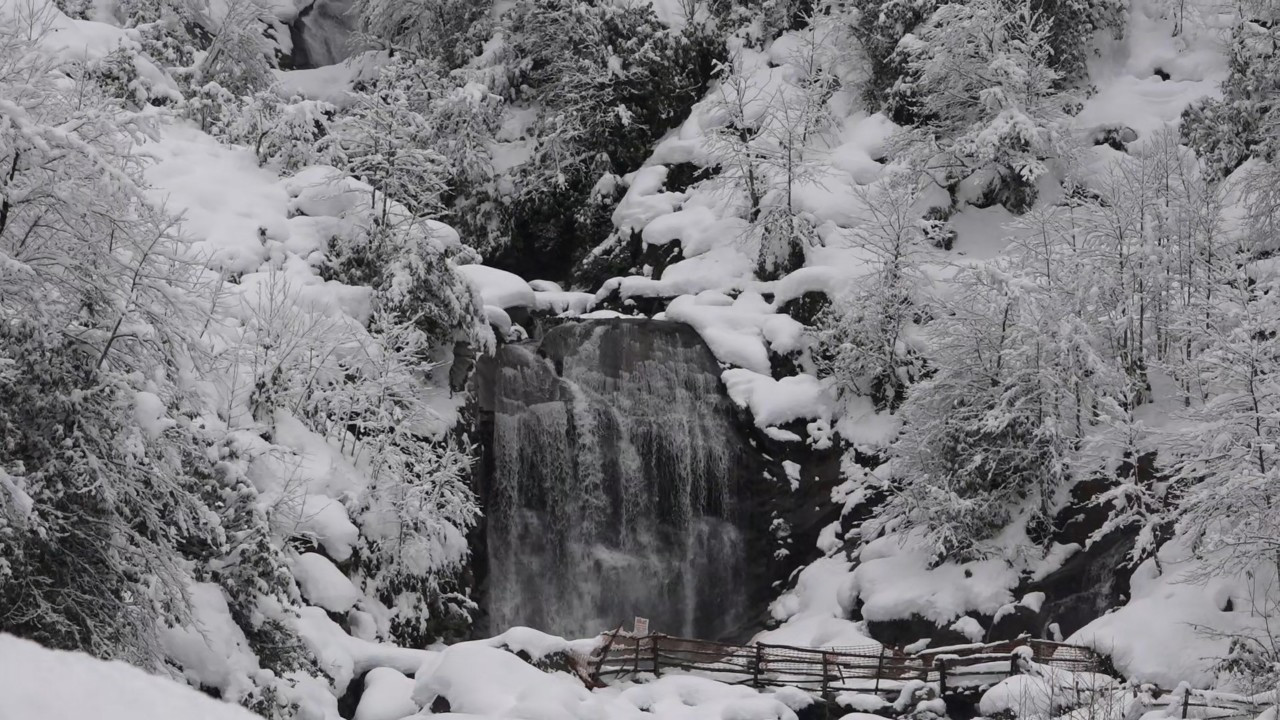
point(322, 34)
point(610, 491)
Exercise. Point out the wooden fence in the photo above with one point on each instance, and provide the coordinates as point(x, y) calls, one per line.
point(1219, 706)
point(829, 671)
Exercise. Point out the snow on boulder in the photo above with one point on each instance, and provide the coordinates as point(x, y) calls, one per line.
point(741, 332)
point(498, 288)
point(388, 695)
point(777, 401)
point(970, 628)
point(645, 200)
point(562, 302)
point(343, 657)
point(41, 684)
point(824, 279)
point(679, 225)
point(326, 519)
point(478, 679)
point(323, 584)
point(537, 644)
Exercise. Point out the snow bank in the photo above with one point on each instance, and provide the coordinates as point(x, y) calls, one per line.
point(894, 581)
point(814, 611)
point(212, 651)
point(41, 684)
point(1159, 635)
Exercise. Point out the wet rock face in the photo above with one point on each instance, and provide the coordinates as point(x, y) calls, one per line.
point(1089, 585)
point(617, 481)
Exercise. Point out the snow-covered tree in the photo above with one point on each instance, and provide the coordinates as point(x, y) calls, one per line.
point(450, 31)
point(1227, 459)
point(980, 447)
point(989, 102)
point(608, 79)
point(866, 338)
point(384, 141)
point(96, 333)
point(238, 57)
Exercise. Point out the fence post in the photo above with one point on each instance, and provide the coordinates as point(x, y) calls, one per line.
point(941, 665)
point(879, 669)
point(755, 670)
point(1013, 664)
point(1186, 702)
point(824, 676)
point(654, 639)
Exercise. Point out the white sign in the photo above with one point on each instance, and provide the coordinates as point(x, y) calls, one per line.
point(642, 627)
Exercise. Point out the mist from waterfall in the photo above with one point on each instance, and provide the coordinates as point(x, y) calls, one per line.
point(612, 488)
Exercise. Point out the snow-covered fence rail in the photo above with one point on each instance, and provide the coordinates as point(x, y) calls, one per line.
point(1189, 703)
point(825, 671)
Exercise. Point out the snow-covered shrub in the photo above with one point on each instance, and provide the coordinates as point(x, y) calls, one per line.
point(238, 57)
point(118, 76)
point(413, 544)
point(96, 566)
point(210, 106)
point(284, 134)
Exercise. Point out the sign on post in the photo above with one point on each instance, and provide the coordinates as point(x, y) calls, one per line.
point(641, 627)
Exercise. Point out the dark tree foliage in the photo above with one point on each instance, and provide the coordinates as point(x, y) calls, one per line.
point(92, 567)
point(1227, 131)
point(880, 25)
point(610, 80)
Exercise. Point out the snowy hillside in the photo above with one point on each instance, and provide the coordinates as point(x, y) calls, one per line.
point(919, 328)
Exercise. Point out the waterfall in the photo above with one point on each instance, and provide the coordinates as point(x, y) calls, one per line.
point(322, 34)
point(611, 487)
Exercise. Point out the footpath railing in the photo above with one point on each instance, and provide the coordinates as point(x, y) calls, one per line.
point(829, 671)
